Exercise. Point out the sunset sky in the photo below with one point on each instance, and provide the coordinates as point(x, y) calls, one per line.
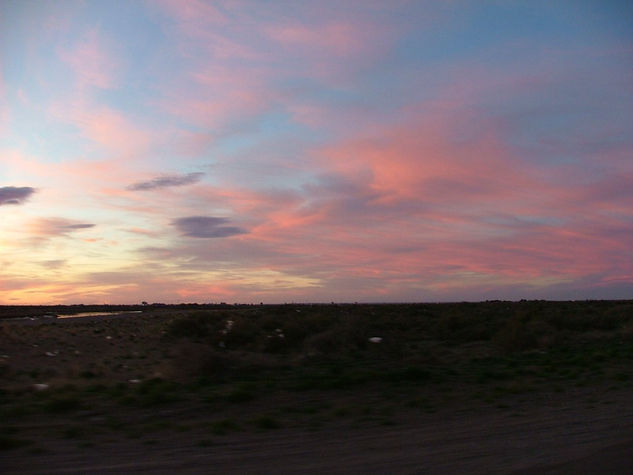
point(315, 151)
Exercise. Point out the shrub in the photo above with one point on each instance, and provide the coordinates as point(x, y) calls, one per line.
point(243, 333)
point(519, 335)
point(195, 326)
point(327, 342)
point(196, 360)
point(465, 324)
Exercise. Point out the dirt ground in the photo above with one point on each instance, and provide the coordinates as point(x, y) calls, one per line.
point(562, 435)
point(579, 429)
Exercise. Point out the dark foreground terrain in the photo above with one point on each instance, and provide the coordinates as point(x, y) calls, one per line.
point(492, 387)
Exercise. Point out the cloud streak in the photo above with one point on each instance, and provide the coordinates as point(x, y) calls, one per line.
point(166, 181)
point(206, 227)
point(52, 227)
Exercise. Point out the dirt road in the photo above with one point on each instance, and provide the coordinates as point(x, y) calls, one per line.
point(561, 436)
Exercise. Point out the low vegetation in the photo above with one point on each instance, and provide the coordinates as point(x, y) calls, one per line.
point(225, 369)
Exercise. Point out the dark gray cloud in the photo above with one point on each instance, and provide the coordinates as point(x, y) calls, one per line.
point(166, 181)
point(12, 195)
point(72, 227)
point(206, 227)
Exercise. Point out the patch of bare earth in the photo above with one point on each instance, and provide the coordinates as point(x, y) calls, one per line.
point(560, 434)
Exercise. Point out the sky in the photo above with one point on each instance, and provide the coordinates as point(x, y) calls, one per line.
point(299, 151)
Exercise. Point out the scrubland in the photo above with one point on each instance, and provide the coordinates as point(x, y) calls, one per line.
point(201, 381)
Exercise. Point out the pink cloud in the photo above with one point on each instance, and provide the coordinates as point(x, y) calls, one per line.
point(198, 292)
point(112, 130)
point(333, 38)
point(215, 105)
point(413, 209)
point(232, 73)
point(245, 201)
point(475, 215)
point(77, 180)
point(193, 11)
point(92, 63)
point(202, 27)
point(108, 128)
point(422, 160)
point(95, 66)
point(330, 51)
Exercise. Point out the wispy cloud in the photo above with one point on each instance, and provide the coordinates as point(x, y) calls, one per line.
point(106, 127)
point(166, 181)
point(91, 63)
point(351, 150)
point(206, 227)
point(12, 195)
point(53, 263)
point(51, 227)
